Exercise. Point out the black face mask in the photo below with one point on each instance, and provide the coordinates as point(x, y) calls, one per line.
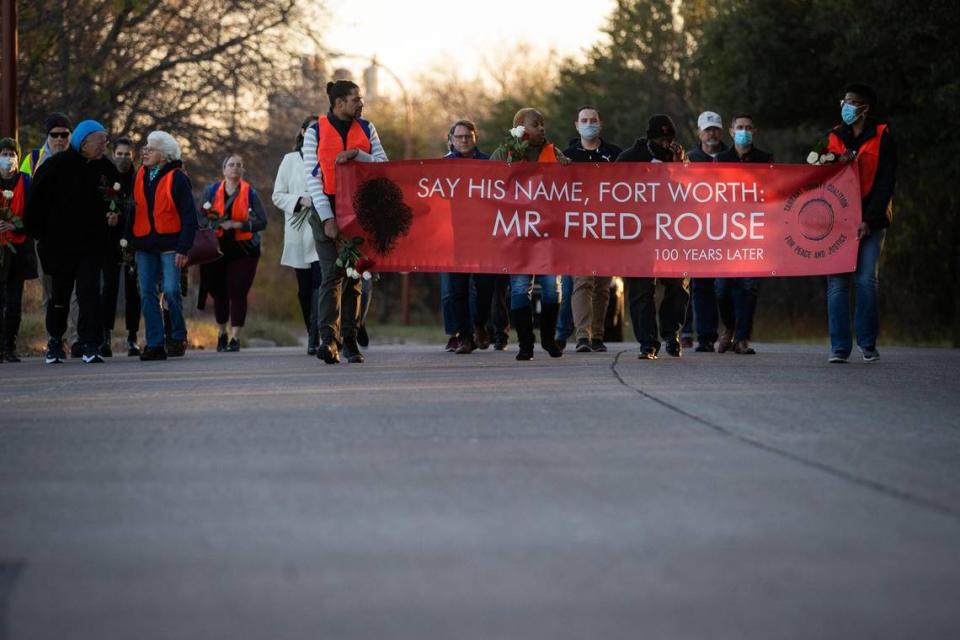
point(664, 154)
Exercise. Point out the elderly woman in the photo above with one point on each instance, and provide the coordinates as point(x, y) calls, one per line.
point(161, 230)
point(235, 209)
point(18, 260)
point(299, 246)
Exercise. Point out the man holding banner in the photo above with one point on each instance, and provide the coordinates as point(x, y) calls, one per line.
point(660, 145)
point(338, 137)
point(870, 145)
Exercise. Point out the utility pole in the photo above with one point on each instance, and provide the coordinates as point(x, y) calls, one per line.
point(9, 124)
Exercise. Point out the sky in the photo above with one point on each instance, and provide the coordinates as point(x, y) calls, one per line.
point(409, 36)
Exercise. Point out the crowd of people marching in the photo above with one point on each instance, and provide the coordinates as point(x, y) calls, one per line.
point(96, 221)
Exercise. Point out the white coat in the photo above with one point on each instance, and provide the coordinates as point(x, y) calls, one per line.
point(299, 248)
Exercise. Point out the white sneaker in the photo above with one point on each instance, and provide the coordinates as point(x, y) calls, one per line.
point(93, 358)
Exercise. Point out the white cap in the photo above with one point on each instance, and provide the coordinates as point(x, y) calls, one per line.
point(709, 119)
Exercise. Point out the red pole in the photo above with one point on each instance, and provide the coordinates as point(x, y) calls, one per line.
point(8, 70)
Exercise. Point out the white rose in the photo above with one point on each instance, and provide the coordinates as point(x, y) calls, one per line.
point(123, 243)
point(206, 206)
point(813, 158)
point(349, 272)
point(116, 186)
point(367, 275)
point(830, 157)
point(355, 275)
point(517, 132)
point(8, 194)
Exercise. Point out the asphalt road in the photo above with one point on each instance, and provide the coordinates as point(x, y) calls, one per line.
point(427, 495)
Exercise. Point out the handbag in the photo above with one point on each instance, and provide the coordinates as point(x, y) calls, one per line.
point(205, 249)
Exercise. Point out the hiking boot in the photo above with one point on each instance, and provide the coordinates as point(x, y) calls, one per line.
point(351, 351)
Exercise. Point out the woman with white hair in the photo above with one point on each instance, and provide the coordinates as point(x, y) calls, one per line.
point(161, 230)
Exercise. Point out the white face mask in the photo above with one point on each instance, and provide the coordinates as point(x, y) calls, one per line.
point(6, 162)
point(589, 131)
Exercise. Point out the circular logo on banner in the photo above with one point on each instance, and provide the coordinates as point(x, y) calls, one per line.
point(814, 217)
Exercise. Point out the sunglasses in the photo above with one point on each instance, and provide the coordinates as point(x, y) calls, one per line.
point(59, 134)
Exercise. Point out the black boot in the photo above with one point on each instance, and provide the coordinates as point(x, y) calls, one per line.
point(548, 330)
point(522, 321)
point(106, 349)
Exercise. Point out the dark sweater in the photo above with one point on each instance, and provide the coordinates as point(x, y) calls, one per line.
point(66, 210)
point(606, 152)
point(754, 155)
point(182, 191)
point(697, 154)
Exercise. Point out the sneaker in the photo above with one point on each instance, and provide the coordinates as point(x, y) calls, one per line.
point(176, 348)
point(233, 346)
point(76, 350)
point(363, 339)
point(597, 345)
point(351, 351)
point(328, 351)
point(743, 348)
point(55, 352)
point(221, 343)
point(674, 349)
point(870, 354)
point(838, 358)
point(452, 344)
point(467, 345)
point(704, 347)
point(687, 342)
point(583, 346)
point(500, 343)
point(133, 349)
point(648, 354)
point(153, 353)
point(92, 358)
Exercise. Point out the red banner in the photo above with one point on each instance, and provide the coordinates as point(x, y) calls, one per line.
point(626, 219)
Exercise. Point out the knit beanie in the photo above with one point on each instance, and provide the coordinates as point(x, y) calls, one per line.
point(83, 130)
point(55, 120)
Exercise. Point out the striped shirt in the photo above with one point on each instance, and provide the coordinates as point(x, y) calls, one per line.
point(315, 181)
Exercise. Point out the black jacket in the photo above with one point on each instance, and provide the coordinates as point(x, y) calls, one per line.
point(878, 204)
point(640, 152)
point(66, 209)
point(697, 154)
point(754, 155)
point(606, 152)
point(182, 192)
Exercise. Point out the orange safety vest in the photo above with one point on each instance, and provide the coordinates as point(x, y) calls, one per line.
point(240, 211)
point(16, 208)
point(166, 217)
point(330, 144)
point(548, 153)
point(868, 157)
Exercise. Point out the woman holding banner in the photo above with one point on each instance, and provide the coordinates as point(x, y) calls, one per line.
point(521, 286)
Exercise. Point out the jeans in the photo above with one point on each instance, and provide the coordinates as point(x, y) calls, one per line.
point(565, 324)
point(465, 301)
point(521, 289)
point(866, 284)
point(153, 268)
point(705, 309)
point(737, 300)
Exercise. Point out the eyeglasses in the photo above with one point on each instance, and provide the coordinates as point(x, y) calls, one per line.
point(59, 134)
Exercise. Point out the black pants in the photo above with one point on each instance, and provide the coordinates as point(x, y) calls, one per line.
point(339, 316)
point(11, 301)
point(643, 313)
point(308, 283)
point(500, 308)
point(112, 271)
point(84, 272)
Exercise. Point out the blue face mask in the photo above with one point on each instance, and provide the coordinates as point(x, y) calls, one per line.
point(743, 138)
point(6, 162)
point(849, 113)
point(589, 131)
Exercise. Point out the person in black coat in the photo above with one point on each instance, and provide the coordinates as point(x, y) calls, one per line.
point(68, 212)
